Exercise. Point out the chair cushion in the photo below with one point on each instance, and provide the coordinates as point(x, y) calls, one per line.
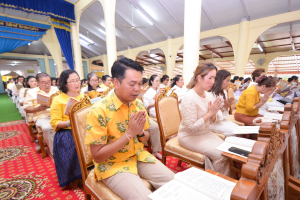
point(80, 121)
point(169, 115)
point(231, 118)
point(102, 191)
point(173, 146)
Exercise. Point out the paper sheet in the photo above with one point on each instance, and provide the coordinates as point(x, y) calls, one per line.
point(241, 141)
point(247, 130)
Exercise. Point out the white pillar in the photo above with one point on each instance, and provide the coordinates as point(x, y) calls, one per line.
point(76, 46)
point(111, 46)
point(192, 21)
point(47, 65)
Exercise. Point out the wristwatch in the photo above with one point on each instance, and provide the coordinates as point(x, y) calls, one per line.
point(142, 134)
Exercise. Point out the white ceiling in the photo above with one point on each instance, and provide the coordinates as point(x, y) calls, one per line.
point(167, 17)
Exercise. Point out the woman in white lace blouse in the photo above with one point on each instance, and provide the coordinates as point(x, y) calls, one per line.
point(149, 96)
point(199, 109)
point(223, 125)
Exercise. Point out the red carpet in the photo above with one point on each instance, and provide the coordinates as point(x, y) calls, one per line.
point(25, 175)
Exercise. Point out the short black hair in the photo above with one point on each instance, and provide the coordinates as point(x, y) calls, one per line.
point(20, 77)
point(63, 79)
point(105, 77)
point(40, 75)
point(120, 66)
point(152, 79)
point(241, 78)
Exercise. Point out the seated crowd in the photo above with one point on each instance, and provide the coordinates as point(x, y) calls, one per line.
point(119, 125)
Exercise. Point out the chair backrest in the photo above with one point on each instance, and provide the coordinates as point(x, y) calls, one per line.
point(230, 94)
point(168, 115)
point(78, 124)
point(54, 95)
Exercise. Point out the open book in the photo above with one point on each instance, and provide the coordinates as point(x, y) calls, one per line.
point(43, 99)
point(19, 86)
point(274, 108)
point(246, 130)
point(69, 105)
point(241, 143)
point(270, 115)
point(194, 184)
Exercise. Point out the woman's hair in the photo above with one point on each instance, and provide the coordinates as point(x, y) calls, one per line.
point(104, 78)
point(268, 81)
point(63, 79)
point(144, 81)
point(164, 78)
point(201, 70)
point(247, 79)
point(27, 79)
point(217, 87)
point(177, 78)
point(152, 79)
point(290, 79)
point(241, 78)
point(89, 76)
point(257, 73)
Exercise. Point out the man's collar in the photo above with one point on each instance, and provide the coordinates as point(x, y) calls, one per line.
point(118, 102)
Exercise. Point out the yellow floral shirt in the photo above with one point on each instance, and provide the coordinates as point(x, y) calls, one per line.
point(106, 122)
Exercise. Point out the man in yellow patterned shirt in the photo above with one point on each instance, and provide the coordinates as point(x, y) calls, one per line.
point(116, 129)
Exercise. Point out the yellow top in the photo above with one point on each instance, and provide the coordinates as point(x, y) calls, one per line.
point(106, 122)
point(57, 110)
point(247, 101)
point(30, 101)
point(104, 87)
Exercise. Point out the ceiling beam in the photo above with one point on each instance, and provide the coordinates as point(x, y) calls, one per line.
point(139, 30)
point(118, 28)
point(154, 59)
point(213, 51)
point(88, 53)
point(166, 7)
point(90, 49)
point(156, 24)
point(245, 9)
point(84, 55)
point(262, 46)
point(103, 29)
point(161, 55)
point(201, 57)
point(146, 61)
point(227, 42)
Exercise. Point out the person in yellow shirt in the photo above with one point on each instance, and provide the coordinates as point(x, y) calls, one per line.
point(65, 155)
point(250, 100)
point(106, 82)
point(116, 130)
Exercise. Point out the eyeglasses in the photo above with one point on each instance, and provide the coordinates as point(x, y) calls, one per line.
point(74, 82)
point(94, 81)
point(45, 83)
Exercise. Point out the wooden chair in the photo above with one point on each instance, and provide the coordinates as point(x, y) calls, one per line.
point(230, 94)
point(40, 130)
point(168, 118)
point(91, 187)
point(31, 124)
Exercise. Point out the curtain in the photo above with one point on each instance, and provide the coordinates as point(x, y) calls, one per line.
point(60, 9)
point(8, 44)
point(64, 38)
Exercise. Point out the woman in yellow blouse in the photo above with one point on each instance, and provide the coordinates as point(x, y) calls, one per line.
point(250, 101)
point(64, 151)
point(106, 82)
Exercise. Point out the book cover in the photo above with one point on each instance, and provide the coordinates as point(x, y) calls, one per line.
point(69, 105)
point(43, 99)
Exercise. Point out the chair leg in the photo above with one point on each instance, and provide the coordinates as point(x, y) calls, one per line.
point(41, 141)
point(179, 163)
point(87, 196)
point(75, 184)
point(163, 160)
point(31, 133)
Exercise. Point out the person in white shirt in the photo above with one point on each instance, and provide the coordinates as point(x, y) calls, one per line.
point(151, 94)
point(92, 84)
point(15, 91)
point(179, 88)
point(164, 81)
point(149, 102)
point(222, 82)
point(31, 83)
